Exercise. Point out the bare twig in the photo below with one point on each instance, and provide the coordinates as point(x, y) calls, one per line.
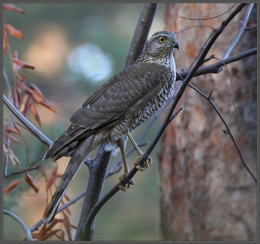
point(84, 231)
point(227, 131)
point(131, 174)
point(37, 133)
point(216, 67)
point(240, 32)
point(199, 61)
point(141, 32)
point(30, 168)
point(214, 17)
point(20, 222)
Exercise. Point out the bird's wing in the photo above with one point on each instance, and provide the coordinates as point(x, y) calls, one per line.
point(121, 96)
point(131, 88)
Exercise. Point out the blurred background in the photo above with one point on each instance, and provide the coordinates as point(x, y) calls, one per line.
point(75, 48)
point(199, 190)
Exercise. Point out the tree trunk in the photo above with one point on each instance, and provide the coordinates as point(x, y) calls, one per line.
point(206, 193)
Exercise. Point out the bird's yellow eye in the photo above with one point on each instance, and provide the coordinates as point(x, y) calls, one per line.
point(162, 39)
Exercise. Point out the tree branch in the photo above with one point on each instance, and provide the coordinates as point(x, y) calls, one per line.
point(141, 32)
point(216, 67)
point(240, 32)
point(228, 130)
point(44, 139)
point(199, 61)
point(21, 222)
point(130, 175)
point(84, 231)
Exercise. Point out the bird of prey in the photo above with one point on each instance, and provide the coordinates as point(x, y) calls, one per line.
point(115, 109)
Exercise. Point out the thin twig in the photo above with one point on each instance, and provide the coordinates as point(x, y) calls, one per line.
point(228, 130)
point(66, 205)
point(84, 231)
point(37, 133)
point(130, 175)
point(214, 17)
point(199, 61)
point(240, 32)
point(30, 168)
point(216, 67)
point(20, 222)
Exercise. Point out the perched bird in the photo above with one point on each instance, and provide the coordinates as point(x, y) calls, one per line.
point(115, 109)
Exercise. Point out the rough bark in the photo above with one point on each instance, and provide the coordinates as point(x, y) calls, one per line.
point(206, 193)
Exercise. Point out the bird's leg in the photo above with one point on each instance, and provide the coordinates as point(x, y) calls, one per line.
point(140, 154)
point(121, 144)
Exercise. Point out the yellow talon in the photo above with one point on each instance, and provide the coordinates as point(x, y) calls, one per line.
point(146, 164)
point(125, 181)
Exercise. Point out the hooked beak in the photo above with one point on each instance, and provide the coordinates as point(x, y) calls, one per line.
point(176, 45)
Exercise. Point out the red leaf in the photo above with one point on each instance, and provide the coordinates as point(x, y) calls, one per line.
point(53, 177)
point(21, 85)
point(30, 181)
point(12, 130)
point(11, 7)
point(17, 129)
point(27, 104)
point(17, 98)
point(35, 113)
point(36, 93)
point(17, 68)
point(11, 186)
point(23, 64)
point(4, 42)
point(12, 138)
point(39, 98)
point(14, 32)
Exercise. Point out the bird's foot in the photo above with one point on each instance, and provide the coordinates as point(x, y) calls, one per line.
point(125, 183)
point(146, 163)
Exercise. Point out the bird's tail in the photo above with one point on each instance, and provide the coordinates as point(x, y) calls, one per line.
point(78, 158)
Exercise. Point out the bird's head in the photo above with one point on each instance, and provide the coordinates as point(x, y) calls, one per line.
point(161, 45)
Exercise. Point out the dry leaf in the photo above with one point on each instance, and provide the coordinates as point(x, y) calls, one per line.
point(17, 98)
point(23, 64)
point(39, 98)
point(12, 138)
point(35, 113)
point(67, 226)
point(13, 8)
point(13, 130)
point(4, 42)
point(14, 32)
point(26, 104)
point(30, 181)
point(52, 178)
point(21, 85)
point(17, 129)
point(11, 186)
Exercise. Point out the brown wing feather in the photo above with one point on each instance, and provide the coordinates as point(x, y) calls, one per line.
point(123, 94)
point(110, 103)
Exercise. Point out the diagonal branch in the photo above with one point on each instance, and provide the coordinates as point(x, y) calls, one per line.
point(84, 231)
point(240, 32)
point(21, 222)
point(37, 133)
point(227, 131)
point(216, 67)
point(198, 62)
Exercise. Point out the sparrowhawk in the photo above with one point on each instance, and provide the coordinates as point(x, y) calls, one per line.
point(116, 108)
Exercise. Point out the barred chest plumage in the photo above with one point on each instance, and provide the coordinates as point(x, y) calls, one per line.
point(155, 104)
